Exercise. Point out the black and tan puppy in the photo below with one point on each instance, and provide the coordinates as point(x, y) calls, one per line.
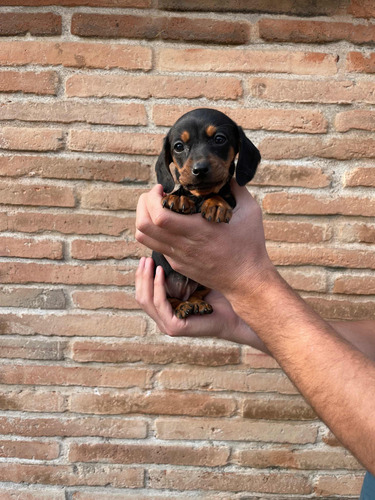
point(201, 148)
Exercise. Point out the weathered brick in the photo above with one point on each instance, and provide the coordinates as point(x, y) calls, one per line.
point(30, 248)
point(75, 54)
point(282, 30)
point(31, 400)
point(360, 63)
point(357, 232)
point(362, 8)
point(115, 142)
point(81, 85)
point(301, 8)
point(345, 309)
point(289, 175)
point(34, 298)
point(22, 193)
point(360, 176)
point(208, 456)
point(339, 484)
point(71, 112)
point(297, 232)
point(306, 280)
point(73, 324)
point(37, 24)
point(46, 349)
point(29, 82)
point(235, 430)
point(93, 250)
point(52, 167)
point(139, 4)
point(258, 359)
point(294, 121)
point(30, 450)
point(155, 403)
point(154, 353)
point(246, 61)
point(103, 300)
point(285, 203)
point(31, 139)
point(272, 407)
point(111, 198)
point(217, 380)
point(289, 482)
point(356, 285)
point(327, 91)
point(355, 120)
point(279, 148)
point(76, 376)
point(160, 27)
point(51, 426)
point(26, 494)
point(297, 459)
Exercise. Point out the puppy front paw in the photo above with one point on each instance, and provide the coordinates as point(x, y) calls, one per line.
point(216, 209)
point(180, 204)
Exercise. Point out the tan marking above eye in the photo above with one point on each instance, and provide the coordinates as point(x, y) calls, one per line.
point(210, 130)
point(185, 136)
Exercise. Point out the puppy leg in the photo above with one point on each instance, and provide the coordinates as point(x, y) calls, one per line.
point(194, 305)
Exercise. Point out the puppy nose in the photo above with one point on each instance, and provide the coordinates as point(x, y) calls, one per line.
point(200, 168)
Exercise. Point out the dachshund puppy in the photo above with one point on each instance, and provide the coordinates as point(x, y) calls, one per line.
point(201, 148)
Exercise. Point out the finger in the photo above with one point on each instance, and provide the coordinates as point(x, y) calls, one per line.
point(162, 305)
point(144, 284)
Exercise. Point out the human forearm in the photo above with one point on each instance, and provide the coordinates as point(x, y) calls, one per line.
point(337, 379)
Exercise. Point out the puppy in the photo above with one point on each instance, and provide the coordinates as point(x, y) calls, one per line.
point(201, 148)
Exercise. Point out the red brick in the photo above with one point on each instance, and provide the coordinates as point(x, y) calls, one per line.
point(355, 120)
point(115, 142)
point(357, 285)
point(294, 121)
point(155, 403)
point(246, 61)
point(73, 324)
point(357, 232)
point(289, 482)
point(360, 176)
point(30, 450)
point(276, 407)
point(160, 27)
point(297, 232)
point(306, 204)
point(116, 198)
point(360, 63)
point(29, 82)
point(216, 380)
point(75, 55)
point(339, 484)
point(22, 193)
point(282, 30)
point(258, 359)
point(297, 459)
point(207, 456)
point(305, 280)
point(362, 8)
point(76, 376)
point(72, 475)
point(52, 426)
point(52, 167)
point(46, 349)
point(345, 309)
point(351, 147)
point(93, 250)
point(103, 300)
point(153, 86)
point(31, 139)
point(139, 4)
point(327, 91)
point(29, 248)
point(70, 112)
point(68, 223)
point(302, 8)
point(154, 353)
point(38, 24)
point(289, 175)
point(32, 400)
point(27, 494)
point(303, 255)
point(238, 429)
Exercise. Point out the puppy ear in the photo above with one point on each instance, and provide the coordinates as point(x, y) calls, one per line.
point(248, 159)
point(163, 172)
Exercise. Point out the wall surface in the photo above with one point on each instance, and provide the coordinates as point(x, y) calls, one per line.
point(95, 403)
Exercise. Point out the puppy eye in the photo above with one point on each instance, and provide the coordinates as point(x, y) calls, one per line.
point(220, 139)
point(179, 147)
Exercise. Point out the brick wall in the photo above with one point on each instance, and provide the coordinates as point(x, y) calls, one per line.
point(94, 402)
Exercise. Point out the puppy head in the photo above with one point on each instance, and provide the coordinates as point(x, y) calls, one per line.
point(202, 145)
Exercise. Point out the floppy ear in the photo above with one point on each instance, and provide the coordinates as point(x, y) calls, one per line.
point(248, 159)
point(163, 173)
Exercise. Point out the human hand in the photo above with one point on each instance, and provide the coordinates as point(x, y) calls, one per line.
point(223, 257)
